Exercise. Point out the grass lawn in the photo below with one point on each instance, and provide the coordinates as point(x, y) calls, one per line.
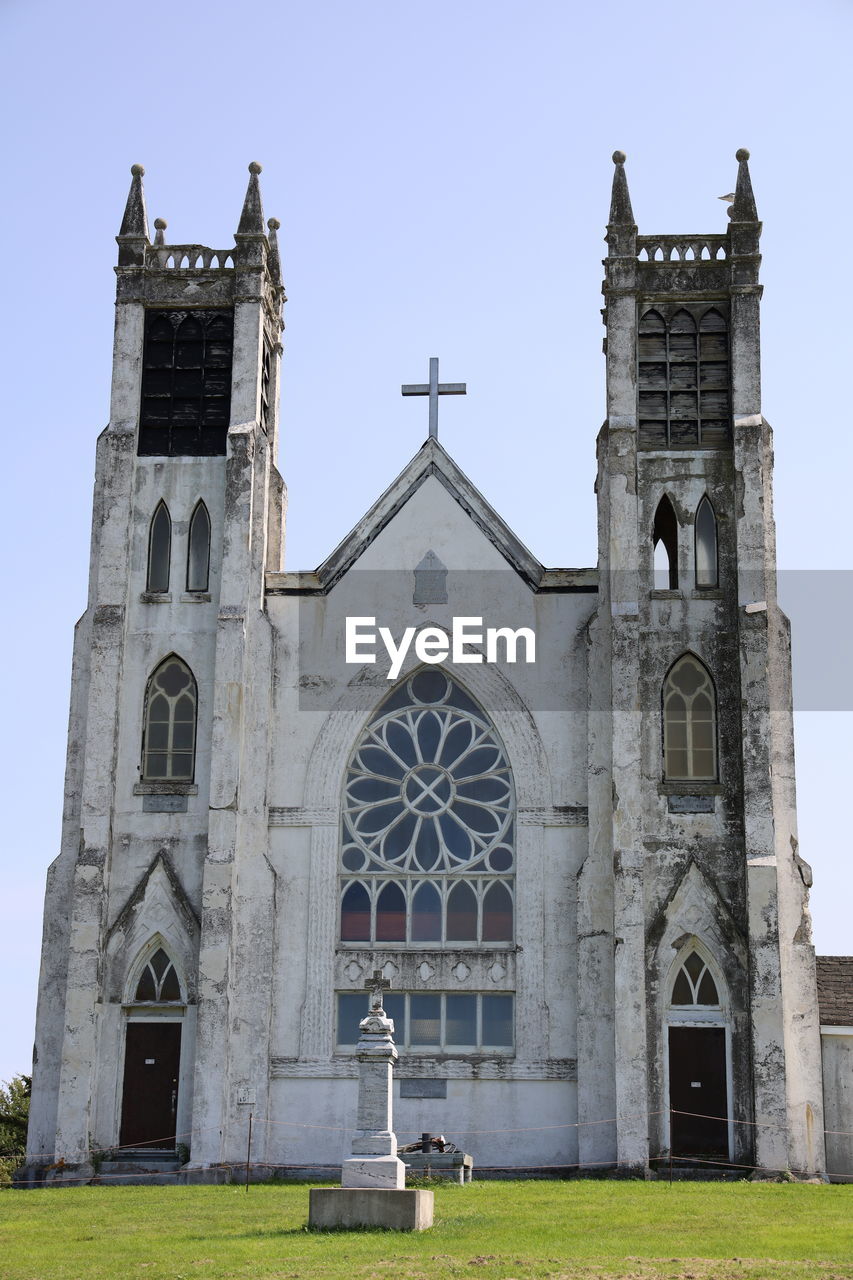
point(636, 1230)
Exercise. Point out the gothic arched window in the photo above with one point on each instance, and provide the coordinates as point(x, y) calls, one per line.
point(158, 982)
point(689, 722)
point(198, 550)
point(168, 743)
point(694, 984)
point(705, 540)
point(159, 550)
point(428, 822)
point(665, 546)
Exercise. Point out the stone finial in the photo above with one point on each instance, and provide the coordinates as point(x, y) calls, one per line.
point(135, 220)
point(160, 225)
point(273, 259)
point(621, 213)
point(252, 217)
point(743, 207)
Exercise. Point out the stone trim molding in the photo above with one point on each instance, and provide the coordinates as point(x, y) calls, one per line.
point(474, 1068)
point(296, 816)
point(559, 815)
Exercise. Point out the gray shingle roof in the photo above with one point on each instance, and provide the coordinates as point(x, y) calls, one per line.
point(835, 990)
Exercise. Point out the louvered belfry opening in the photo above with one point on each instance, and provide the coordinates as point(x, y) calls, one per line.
point(186, 383)
point(683, 378)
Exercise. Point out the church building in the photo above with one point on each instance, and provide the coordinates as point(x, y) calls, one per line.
point(554, 806)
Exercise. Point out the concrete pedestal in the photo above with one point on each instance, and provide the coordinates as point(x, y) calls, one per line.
point(341, 1207)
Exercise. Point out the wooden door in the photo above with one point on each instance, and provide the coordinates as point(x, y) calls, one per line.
point(152, 1060)
point(697, 1091)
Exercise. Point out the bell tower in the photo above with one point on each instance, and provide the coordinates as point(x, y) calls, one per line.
point(188, 516)
point(692, 805)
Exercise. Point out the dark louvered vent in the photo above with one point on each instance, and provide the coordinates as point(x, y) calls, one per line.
point(266, 381)
point(684, 379)
point(186, 383)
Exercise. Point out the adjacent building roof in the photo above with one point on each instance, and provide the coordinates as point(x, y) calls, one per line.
point(835, 990)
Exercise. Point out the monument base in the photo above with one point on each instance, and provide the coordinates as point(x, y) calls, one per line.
point(379, 1173)
point(341, 1207)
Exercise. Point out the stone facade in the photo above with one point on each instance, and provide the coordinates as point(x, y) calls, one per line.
point(545, 1022)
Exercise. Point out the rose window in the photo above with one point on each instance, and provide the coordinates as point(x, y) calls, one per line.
point(428, 787)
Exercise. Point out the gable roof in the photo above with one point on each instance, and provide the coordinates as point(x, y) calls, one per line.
point(430, 460)
point(835, 990)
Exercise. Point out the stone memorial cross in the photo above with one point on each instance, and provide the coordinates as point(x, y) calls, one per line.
point(374, 1161)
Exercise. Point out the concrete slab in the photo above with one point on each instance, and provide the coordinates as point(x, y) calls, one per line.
point(341, 1207)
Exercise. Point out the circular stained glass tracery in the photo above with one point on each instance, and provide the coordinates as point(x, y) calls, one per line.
point(428, 786)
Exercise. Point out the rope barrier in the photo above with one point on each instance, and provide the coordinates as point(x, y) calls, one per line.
point(170, 1142)
point(233, 1168)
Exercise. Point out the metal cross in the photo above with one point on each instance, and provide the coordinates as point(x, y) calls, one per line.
point(433, 389)
point(376, 985)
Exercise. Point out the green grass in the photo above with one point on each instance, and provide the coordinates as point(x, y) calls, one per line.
point(491, 1230)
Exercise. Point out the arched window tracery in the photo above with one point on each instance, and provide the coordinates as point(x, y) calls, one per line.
point(428, 822)
point(169, 734)
point(158, 982)
point(694, 984)
point(689, 722)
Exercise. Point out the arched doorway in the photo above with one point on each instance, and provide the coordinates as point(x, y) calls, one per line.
point(152, 1053)
point(698, 1058)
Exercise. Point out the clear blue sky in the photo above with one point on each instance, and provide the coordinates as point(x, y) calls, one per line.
point(442, 176)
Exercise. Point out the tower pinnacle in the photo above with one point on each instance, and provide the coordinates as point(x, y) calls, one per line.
point(621, 213)
point(743, 207)
point(274, 260)
point(133, 234)
point(252, 217)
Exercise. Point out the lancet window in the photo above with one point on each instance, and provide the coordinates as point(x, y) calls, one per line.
point(665, 546)
point(198, 550)
point(159, 550)
point(705, 540)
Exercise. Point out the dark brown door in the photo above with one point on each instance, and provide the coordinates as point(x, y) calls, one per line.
point(697, 1091)
point(152, 1059)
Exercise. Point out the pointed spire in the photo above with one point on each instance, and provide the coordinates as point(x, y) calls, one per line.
point(133, 236)
point(252, 217)
point(621, 213)
point(743, 206)
point(135, 220)
point(273, 259)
